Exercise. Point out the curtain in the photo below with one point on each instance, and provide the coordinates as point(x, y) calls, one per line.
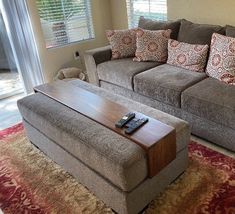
point(17, 21)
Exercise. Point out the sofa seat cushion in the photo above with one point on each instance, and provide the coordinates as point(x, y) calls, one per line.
point(165, 83)
point(121, 71)
point(211, 99)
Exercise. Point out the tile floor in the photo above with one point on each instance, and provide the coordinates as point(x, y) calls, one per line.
point(10, 84)
point(9, 113)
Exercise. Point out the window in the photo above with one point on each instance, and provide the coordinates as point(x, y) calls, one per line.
point(153, 9)
point(65, 21)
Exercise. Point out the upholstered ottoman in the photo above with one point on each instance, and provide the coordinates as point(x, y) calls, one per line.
point(110, 165)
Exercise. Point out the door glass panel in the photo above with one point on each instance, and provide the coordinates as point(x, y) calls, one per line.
point(10, 81)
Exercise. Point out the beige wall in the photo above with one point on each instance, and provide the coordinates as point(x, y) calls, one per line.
point(203, 11)
point(119, 14)
point(54, 59)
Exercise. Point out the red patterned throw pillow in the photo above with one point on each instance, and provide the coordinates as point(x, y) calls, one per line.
point(123, 43)
point(191, 57)
point(151, 45)
point(221, 64)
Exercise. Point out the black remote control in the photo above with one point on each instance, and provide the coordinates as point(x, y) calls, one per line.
point(136, 125)
point(131, 122)
point(125, 120)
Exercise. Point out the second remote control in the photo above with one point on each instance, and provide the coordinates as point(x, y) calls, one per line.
point(137, 125)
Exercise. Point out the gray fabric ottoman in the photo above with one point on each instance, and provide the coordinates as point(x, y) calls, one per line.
point(111, 166)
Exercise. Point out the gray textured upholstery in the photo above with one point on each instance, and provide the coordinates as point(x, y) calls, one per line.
point(162, 88)
point(166, 83)
point(149, 24)
point(180, 125)
point(93, 58)
point(108, 164)
point(121, 71)
point(122, 202)
point(124, 165)
point(172, 110)
point(197, 33)
point(211, 131)
point(230, 31)
point(211, 99)
point(120, 161)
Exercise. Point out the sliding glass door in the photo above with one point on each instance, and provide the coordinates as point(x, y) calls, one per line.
point(10, 81)
point(22, 54)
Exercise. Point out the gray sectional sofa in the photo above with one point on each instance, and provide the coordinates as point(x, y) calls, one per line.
point(206, 103)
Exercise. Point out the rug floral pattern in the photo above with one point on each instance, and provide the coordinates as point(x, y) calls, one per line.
point(32, 183)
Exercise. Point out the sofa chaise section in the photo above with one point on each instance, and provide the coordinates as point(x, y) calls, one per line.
point(213, 101)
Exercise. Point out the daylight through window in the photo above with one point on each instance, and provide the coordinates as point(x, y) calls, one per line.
point(153, 9)
point(65, 21)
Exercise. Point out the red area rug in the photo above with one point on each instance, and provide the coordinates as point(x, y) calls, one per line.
point(32, 183)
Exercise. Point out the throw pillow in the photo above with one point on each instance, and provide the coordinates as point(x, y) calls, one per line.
point(149, 24)
point(151, 45)
point(193, 33)
point(191, 57)
point(221, 64)
point(123, 43)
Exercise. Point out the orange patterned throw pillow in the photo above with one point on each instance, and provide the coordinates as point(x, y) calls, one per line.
point(221, 64)
point(151, 45)
point(123, 43)
point(191, 57)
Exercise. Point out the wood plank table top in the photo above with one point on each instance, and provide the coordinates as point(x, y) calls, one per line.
point(155, 137)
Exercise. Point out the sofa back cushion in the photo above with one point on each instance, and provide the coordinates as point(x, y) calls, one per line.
point(230, 31)
point(191, 57)
point(151, 45)
point(221, 64)
point(123, 43)
point(149, 24)
point(198, 33)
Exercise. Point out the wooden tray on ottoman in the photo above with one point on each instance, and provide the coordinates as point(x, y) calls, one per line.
point(156, 138)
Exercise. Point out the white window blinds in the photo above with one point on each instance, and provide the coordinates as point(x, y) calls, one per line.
point(153, 9)
point(65, 21)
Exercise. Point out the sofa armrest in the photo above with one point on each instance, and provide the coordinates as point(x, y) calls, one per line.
point(92, 59)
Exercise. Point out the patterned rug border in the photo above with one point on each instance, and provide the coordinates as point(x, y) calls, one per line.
point(11, 130)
